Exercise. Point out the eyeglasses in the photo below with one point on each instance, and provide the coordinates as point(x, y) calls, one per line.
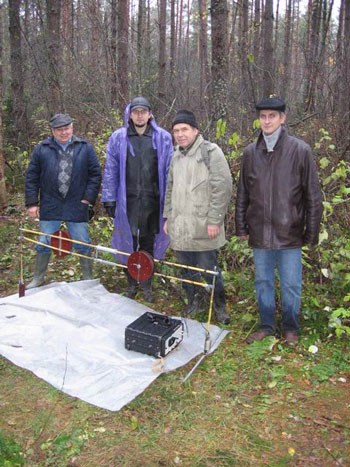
point(140, 112)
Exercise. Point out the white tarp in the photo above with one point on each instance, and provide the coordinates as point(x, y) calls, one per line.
point(72, 336)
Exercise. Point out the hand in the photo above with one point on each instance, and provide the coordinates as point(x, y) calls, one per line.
point(165, 227)
point(85, 201)
point(33, 212)
point(110, 208)
point(244, 237)
point(91, 211)
point(213, 231)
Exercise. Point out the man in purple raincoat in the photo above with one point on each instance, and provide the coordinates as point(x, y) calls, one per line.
point(134, 183)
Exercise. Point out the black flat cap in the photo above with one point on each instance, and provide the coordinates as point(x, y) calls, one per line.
point(271, 103)
point(59, 120)
point(185, 116)
point(140, 102)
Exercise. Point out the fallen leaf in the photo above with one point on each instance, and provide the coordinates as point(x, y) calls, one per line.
point(134, 422)
point(291, 451)
point(277, 358)
point(100, 429)
point(313, 349)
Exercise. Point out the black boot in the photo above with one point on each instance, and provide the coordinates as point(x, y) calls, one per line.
point(132, 286)
point(220, 309)
point(146, 287)
point(41, 263)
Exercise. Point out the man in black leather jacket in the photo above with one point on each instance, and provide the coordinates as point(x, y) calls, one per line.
point(278, 209)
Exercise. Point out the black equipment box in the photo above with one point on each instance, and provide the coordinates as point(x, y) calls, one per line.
point(154, 334)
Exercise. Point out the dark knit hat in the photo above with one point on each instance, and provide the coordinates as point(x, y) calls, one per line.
point(140, 102)
point(185, 116)
point(271, 103)
point(59, 120)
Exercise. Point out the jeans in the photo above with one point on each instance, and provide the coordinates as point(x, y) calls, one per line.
point(204, 260)
point(289, 268)
point(77, 231)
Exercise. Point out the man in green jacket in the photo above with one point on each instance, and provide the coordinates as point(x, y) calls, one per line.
point(198, 193)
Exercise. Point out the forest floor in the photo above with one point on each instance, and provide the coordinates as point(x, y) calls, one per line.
point(263, 404)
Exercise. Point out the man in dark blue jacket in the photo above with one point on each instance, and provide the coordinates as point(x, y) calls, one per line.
point(63, 180)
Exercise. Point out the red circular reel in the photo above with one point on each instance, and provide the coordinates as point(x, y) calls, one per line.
point(140, 265)
point(61, 243)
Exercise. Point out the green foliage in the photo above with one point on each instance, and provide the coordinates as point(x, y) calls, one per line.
point(251, 58)
point(11, 454)
point(260, 349)
point(256, 124)
point(221, 126)
point(340, 321)
point(17, 162)
point(64, 446)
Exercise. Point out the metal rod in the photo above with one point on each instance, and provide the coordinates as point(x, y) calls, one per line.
point(189, 374)
point(188, 281)
point(114, 251)
point(211, 302)
point(185, 266)
point(91, 258)
point(78, 242)
point(99, 260)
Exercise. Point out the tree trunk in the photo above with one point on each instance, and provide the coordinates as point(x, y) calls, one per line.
point(172, 61)
point(219, 62)
point(161, 56)
point(113, 60)
point(286, 50)
point(3, 192)
point(68, 46)
point(345, 98)
point(18, 104)
point(179, 29)
point(257, 37)
point(123, 44)
point(147, 45)
point(312, 54)
point(204, 69)
point(140, 38)
point(53, 43)
point(268, 73)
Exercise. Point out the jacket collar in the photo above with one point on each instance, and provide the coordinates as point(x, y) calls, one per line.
point(261, 142)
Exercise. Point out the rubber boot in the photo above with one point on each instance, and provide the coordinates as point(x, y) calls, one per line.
point(86, 268)
point(220, 312)
point(41, 263)
point(193, 302)
point(132, 286)
point(146, 287)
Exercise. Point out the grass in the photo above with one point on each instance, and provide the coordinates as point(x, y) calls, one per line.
point(262, 404)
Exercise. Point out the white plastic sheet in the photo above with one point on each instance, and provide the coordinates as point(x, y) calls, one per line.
point(72, 336)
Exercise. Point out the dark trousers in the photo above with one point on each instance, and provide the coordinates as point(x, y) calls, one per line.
point(205, 260)
point(145, 243)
